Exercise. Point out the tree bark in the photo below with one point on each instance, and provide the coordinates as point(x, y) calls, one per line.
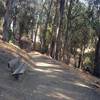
point(55, 28)
point(59, 30)
point(97, 59)
point(66, 39)
point(46, 26)
point(7, 20)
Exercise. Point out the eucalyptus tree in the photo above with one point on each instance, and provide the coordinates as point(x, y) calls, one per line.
point(94, 6)
point(2, 8)
point(46, 10)
point(55, 45)
point(7, 19)
point(19, 18)
point(2, 13)
point(80, 29)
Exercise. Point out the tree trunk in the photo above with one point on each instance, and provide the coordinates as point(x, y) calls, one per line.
point(59, 30)
point(36, 32)
point(52, 46)
point(7, 20)
point(46, 26)
point(66, 39)
point(81, 58)
point(16, 32)
point(97, 59)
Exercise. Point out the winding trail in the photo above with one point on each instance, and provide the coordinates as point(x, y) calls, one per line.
point(47, 79)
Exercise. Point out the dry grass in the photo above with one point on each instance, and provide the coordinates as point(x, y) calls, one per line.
point(16, 50)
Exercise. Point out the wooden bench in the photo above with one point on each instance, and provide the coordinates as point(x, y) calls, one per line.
point(19, 71)
point(17, 67)
point(13, 64)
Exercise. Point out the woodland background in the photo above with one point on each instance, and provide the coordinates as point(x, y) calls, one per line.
point(66, 30)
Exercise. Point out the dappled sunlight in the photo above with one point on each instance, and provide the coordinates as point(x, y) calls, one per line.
point(47, 64)
point(81, 84)
point(16, 50)
point(47, 81)
point(76, 83)
point(56, 70)
point(52, 67)
point(35, 53)
point(41, 70)
point(53, 92)
point(47, 70)
point(60, 96)
point(49, 49)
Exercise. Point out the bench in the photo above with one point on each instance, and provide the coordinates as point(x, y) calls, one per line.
point(13, 64)
point(19, 71)
point(17, 67)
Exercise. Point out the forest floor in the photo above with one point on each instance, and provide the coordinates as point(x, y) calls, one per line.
point(44, 79)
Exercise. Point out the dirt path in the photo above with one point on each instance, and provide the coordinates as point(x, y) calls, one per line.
point(50, 80)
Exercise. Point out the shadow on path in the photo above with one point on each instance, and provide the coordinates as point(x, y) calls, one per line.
point(48, 81)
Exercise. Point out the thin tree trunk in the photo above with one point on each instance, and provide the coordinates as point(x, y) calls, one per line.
point(58, 43)
point(66, 39)
point(46, 26)
point(55, 28)
point(34, 43)
point(81, 58)
point(17, 34)
point(7, 20)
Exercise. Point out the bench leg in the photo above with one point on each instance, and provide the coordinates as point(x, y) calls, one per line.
point(16, 76)
point(8, 65)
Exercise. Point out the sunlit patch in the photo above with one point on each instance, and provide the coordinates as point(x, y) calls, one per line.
point(57, 70)
point(60, 96)
point(35, 53)
point(41, 70)
point(82, 85)
point(45, 64)
point(47, 70)
point(77, 84)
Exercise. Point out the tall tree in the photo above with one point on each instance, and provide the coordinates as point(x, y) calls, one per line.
point(95, 23)
point(7, 19)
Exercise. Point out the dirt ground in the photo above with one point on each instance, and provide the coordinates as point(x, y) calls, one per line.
point(50, 80)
